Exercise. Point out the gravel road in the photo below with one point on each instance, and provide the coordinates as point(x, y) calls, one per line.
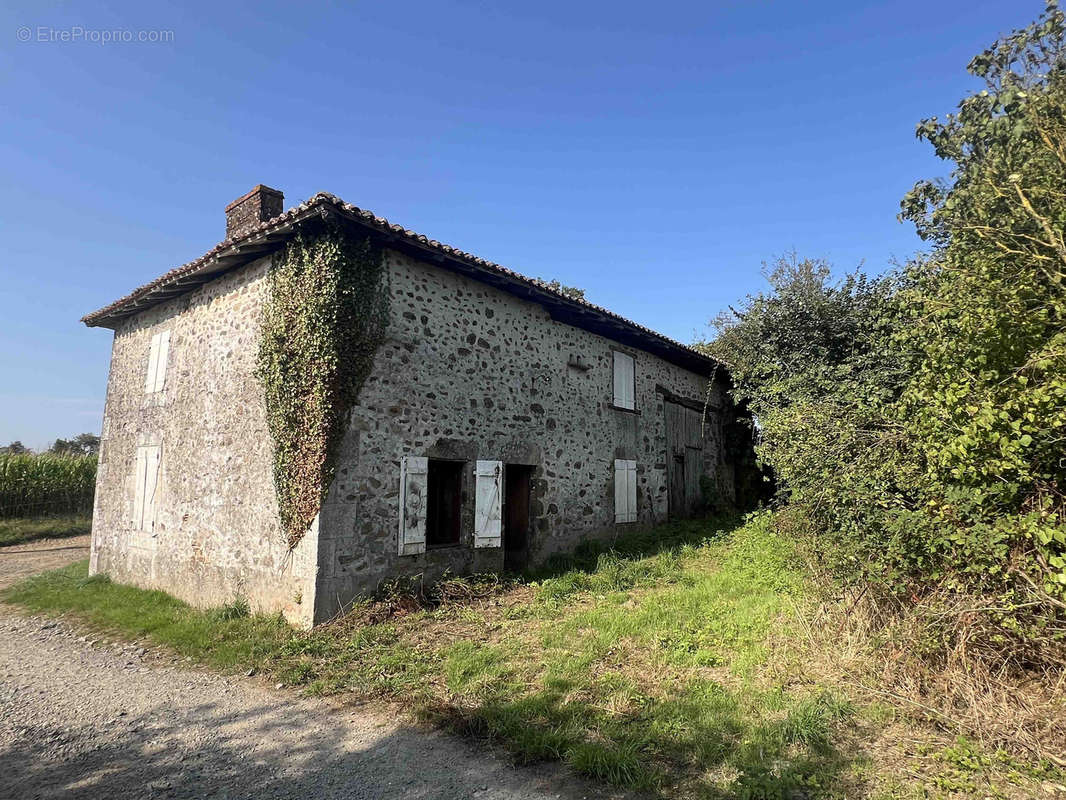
point(83, 717)
point(18, 561)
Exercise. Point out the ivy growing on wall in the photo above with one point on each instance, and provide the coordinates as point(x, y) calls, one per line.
point(322, 324)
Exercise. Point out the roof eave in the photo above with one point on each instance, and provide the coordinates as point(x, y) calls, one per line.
point(272, 235)
point(221, 259)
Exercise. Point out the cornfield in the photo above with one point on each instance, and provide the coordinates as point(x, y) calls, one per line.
point(40, 484)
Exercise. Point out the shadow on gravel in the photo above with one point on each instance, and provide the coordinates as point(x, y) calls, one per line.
point(261, 753)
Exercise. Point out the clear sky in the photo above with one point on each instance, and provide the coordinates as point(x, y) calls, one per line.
point(654, 153)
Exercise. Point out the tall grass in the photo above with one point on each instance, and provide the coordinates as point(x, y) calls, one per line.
point(682, 661)
point(43, 484)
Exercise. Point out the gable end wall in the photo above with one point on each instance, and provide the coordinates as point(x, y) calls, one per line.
point(217, 533)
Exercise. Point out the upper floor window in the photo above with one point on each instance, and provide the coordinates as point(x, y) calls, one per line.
point(157, 362)
point(624, 380)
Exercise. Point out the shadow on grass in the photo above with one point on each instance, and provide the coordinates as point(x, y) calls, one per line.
point(653, 541)
point(698, 737)
point(699, 743)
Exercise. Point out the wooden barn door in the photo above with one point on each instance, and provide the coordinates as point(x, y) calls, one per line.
point(684, 458)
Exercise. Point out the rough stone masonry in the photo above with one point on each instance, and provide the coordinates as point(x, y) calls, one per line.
point(502, 422)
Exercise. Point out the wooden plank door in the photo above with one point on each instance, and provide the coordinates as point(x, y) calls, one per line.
point(675, 459)
point(684, 458)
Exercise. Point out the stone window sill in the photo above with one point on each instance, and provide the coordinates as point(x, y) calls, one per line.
point(626, 410)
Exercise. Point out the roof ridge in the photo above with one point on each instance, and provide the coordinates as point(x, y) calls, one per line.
point(320, 198)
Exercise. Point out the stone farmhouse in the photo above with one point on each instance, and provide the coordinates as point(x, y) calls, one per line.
point(502, 421)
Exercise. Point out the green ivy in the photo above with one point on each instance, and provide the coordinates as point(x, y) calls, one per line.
point(323, 322)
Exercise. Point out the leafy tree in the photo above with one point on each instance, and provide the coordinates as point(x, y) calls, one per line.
point(15, 448)
point(807, 337)
point(918, 421)
point(815, 362)
point(84, 444)
point(987, 405)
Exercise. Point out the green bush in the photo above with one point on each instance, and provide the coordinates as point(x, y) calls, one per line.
point(917, 421)
point(34, 485)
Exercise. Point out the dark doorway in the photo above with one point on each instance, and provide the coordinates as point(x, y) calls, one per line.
point(518, 479)
point(445, 489)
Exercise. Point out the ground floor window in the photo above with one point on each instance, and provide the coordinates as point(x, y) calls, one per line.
point(445, 500)
point(625, 491)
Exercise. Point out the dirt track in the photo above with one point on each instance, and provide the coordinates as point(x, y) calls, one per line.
point(18, 561)
point(84, 717)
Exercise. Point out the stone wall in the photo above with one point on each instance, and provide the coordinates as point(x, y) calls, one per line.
point(217, 534)
point(470, 372)
point(467, 372)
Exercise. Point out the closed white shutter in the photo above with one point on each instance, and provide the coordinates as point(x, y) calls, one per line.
point(488, 508)
point(161, 360)
point(623, 380)
point(151, 487)
point(625, 491)
point(146, 475)
point(414, 500)
point(157, 362)
point(153, 361)
point(139, 473)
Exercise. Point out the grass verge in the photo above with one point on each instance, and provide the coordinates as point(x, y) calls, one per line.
point(681, 663)
point(18, 531)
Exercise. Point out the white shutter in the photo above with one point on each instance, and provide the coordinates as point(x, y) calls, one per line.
point(414, 499)
point(623, 380)
point(625, 491)
point(151, 487)
point(139, 473)
point(153, 360)
point(631, 490)
point(161, 360)
point(488, 508)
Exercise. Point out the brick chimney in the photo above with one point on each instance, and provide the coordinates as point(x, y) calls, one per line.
point(247, 211)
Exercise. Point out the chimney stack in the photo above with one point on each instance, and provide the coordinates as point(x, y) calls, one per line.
point(247, 211)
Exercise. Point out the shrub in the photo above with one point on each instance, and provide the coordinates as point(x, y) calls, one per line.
point(916, 421)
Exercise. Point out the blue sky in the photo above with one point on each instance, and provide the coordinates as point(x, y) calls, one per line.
point(654, 153)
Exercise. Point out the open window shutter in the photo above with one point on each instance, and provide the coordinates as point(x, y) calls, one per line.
point(621, 503)
point(161, 360)
point(414, 497)
point(151, 486)
point(631, 381)
point(631, 491)
point(625, 491)
point(140, 471)
point(153, 361)
point(488, 516)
